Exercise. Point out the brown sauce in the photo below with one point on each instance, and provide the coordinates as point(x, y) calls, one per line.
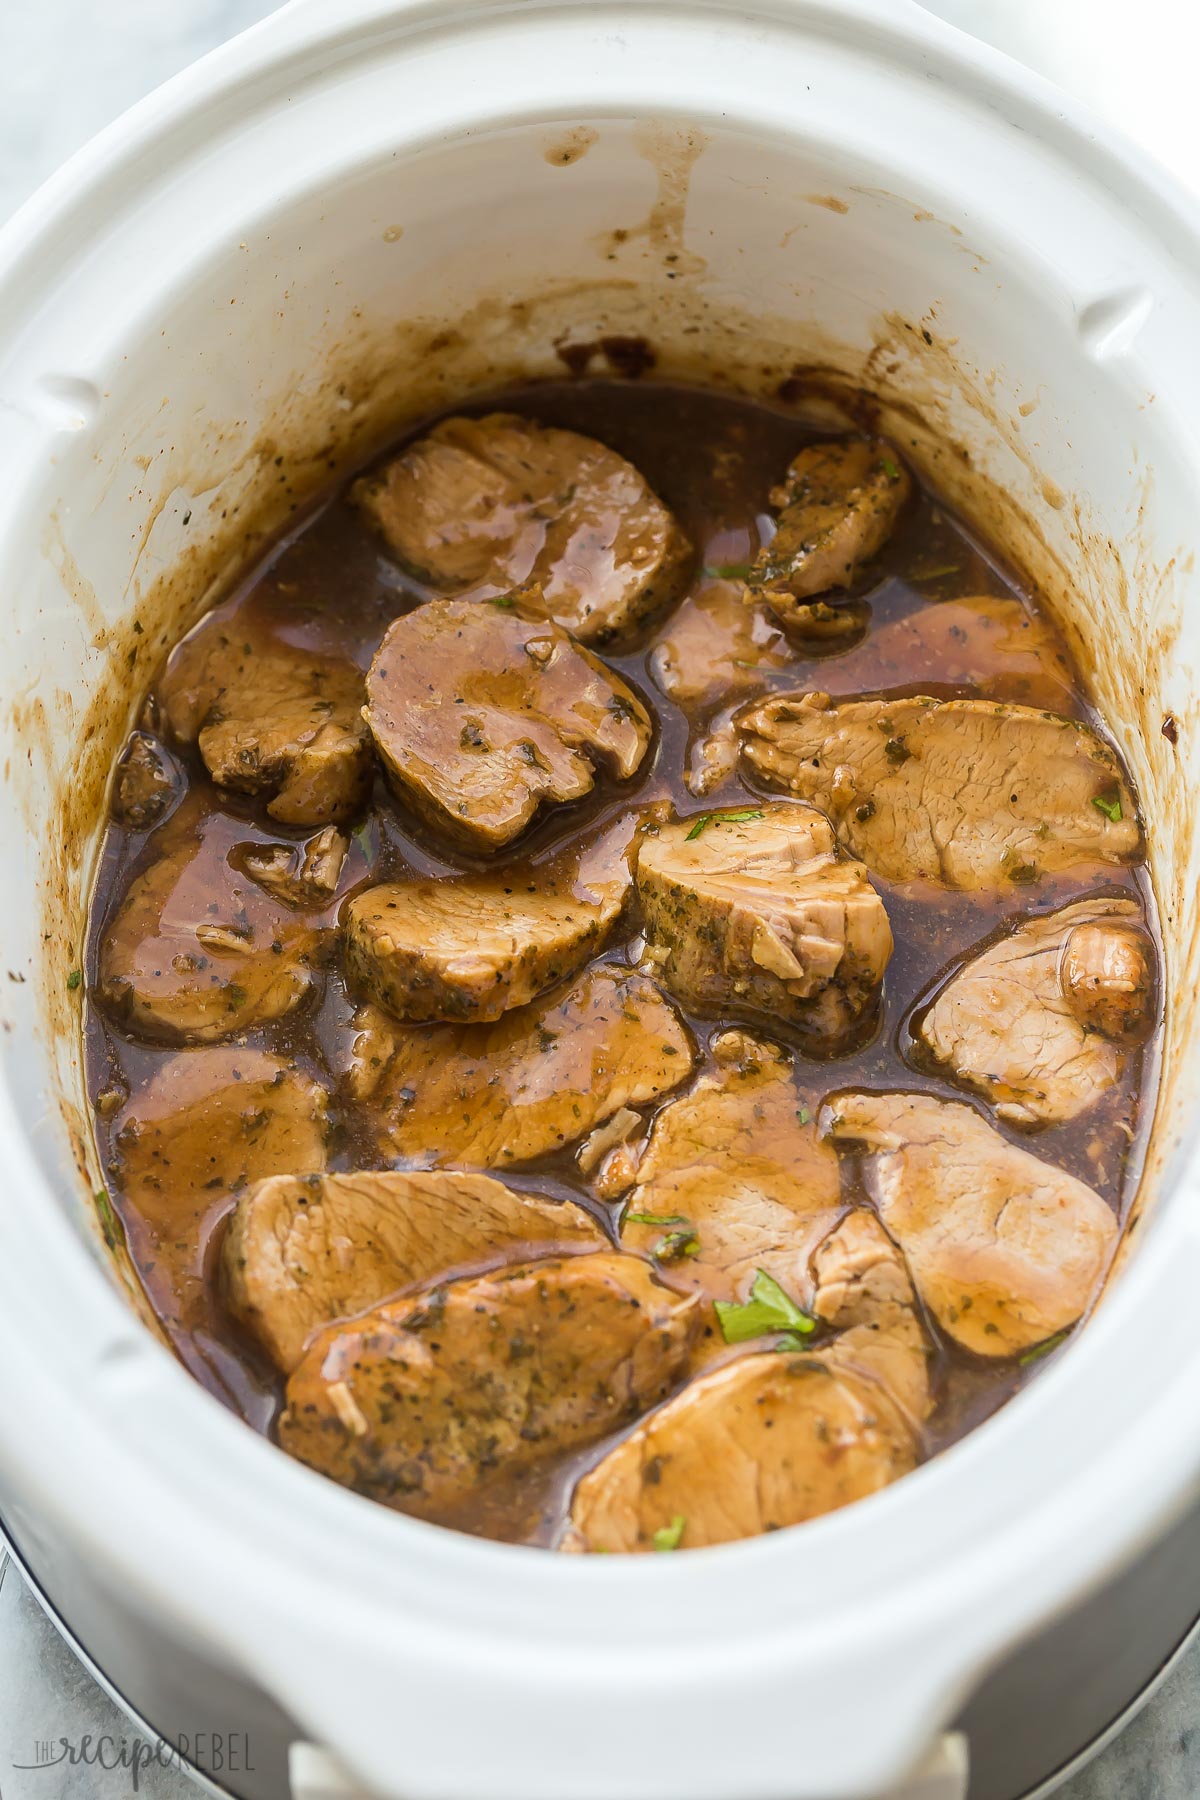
point(331, 587)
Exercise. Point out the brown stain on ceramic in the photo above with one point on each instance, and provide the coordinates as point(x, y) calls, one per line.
point(570, 146)
point(672, 152)
point(830, 202)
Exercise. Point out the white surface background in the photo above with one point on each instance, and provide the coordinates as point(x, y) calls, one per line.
point(66, 68)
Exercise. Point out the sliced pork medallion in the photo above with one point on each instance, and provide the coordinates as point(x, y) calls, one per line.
point(756, 907)
point(481, 712)
point(476, 947)
point(424, 1400)
point(304, 1250)
point(490, 504)
point(714, 646)
point(837, 506)
point(148, 781)
point(490, 1096)
point(301, 875)
point(773, 1439)
point(195, 951)
point(1108, 977)
point(271, 719)
point(970, 793)
point(983, 640)
point(207, 1124)
point(865, 1292)
point(734, 1179)
point(1019, 1023)
point(1006, 1250)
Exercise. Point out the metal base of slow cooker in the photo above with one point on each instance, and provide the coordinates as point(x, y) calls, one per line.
point(1035, 1721)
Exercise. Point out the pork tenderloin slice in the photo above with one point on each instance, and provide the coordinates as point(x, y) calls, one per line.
point(969, 793)
point(734, 1180)
point(1005, 1250)
point(488, 505)
point(755, 907)
point(424, 1401)
point(304, 1250)
point(271, 719)
point(481, 713)
point(477, 947)
point(543, 1076)
point(837, 507)
point(1037, 1022)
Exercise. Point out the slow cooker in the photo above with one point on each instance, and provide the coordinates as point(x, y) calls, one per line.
point(352, 215)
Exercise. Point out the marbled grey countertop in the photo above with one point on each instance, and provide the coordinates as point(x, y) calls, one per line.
point(66, 68)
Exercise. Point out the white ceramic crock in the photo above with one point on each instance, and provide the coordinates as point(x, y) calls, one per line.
point(362, 209)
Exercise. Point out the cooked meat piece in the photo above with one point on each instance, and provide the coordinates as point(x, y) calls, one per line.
point(271, 719)
point(837, 506)
point(480, 712)
point(715, 645)
point(489, 1096)
point(299, 875)
point(774, 1439)
point(866, 1293)
point(1005, 1250)
point(1108, 977)
point(755, 907)
point(713, 759)
point(971, 793)
point(981, 641)
point(147, 781)
point(491, 504)
point(196, 952)
point(477, 947)
point(615, 1134)
point(304, 1250)
point(1008, 1024)
point(423, 1400)
point(206, 1124)
point(734, 1179)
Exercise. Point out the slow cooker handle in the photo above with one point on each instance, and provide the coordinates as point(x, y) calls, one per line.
point(316, 1775)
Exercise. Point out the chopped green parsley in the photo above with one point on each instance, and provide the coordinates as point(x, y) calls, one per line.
point(669, 1537)
point(1040, 1350)
point(728, 571)
point(768, 1309)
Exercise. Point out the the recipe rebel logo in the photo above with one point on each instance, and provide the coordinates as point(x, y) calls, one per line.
point(215, 1753)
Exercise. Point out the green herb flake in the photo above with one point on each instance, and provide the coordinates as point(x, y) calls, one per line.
point(936, 573)
point(802, 1115)
point(109, 1224)
point(1109, 806)
point(728, 571)
point(891, 468)
point(75, 979)
point(504, 601)
point(669, 1537)
point(659, 1219)
point(729, 818)
point(1040, 1350)
point(677, 1244)
point(768, 1309)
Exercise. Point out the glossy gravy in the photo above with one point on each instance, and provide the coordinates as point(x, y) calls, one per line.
point(330, 586)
